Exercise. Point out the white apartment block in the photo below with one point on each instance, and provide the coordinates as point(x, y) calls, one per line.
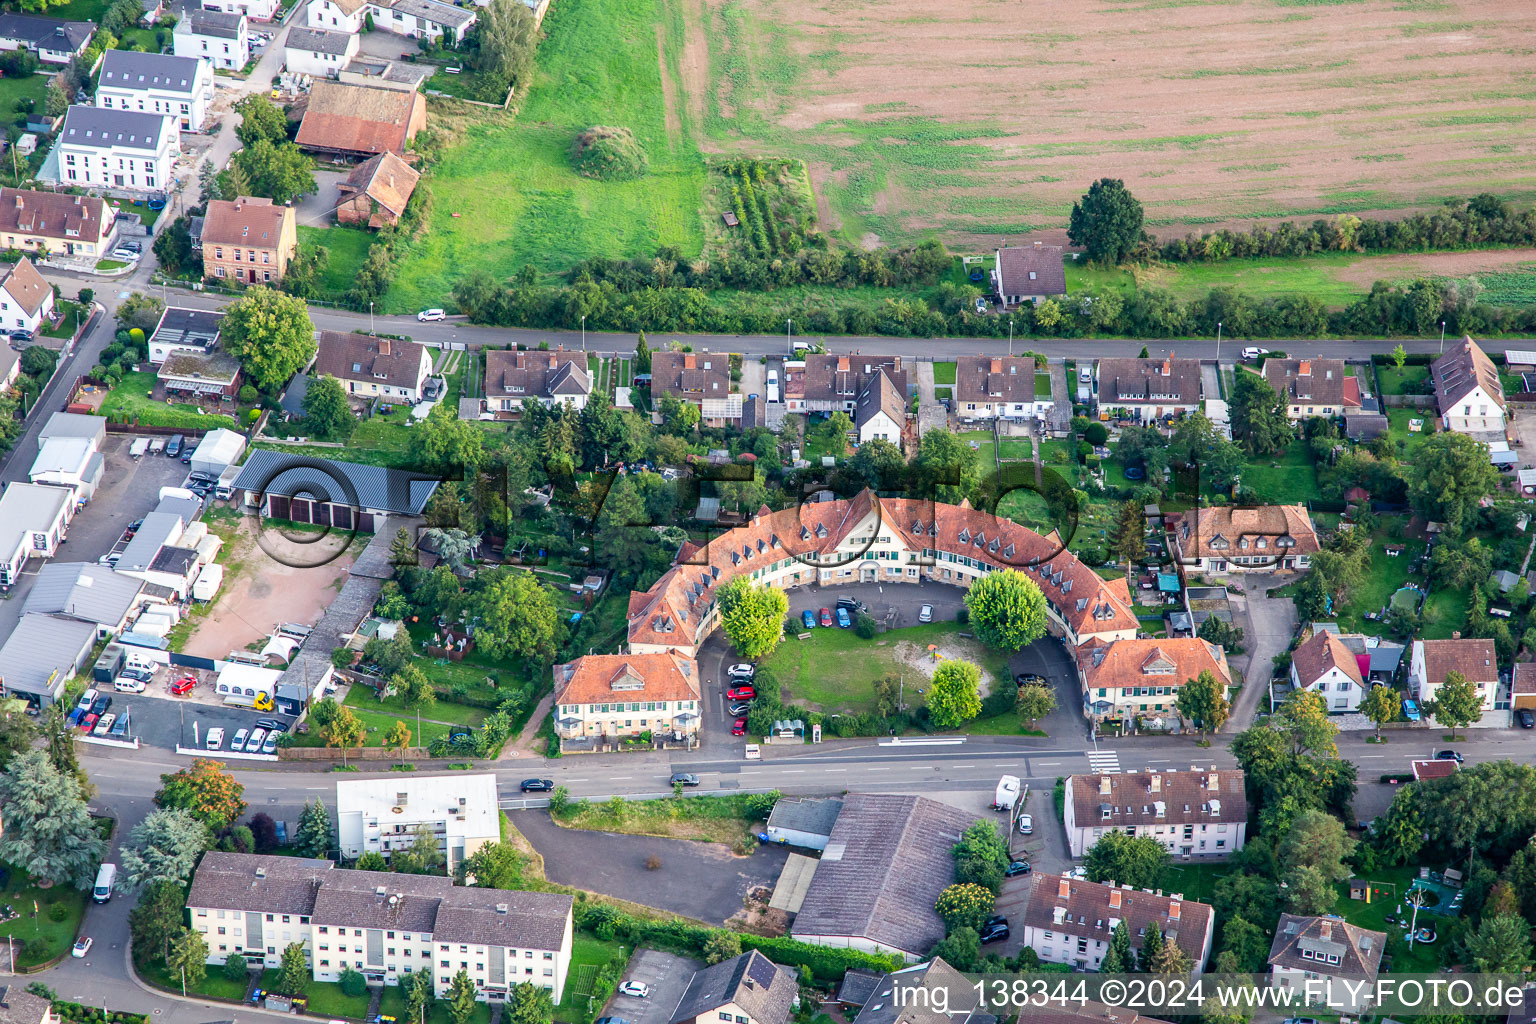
point(383, 925)
point(255, 10)
point(383, 815)
point(117, 149)
point(223, 38)
point(1071, 921)
point(1193, 813)
point(413, 18)
point(157, 83)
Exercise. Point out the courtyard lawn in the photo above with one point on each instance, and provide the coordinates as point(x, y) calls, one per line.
point(1196, 881)
point(835, 670)
point(1042, 385)
point(944, 373)
point(1286, 479)
point(392, 1004)
point(131, 399)
point(1445, 612)
point(1407, 381)
point(348, 248)
point(326, 998)
point(1397, 426)
point(442, 710)
point(15, 90)
point(52, 938)
point(1016, 448)
point(582, 1002)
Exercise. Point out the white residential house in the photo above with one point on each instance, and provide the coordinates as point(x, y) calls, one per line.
point(117, 149)
point(1468, 392)
point(69, 462)
point(413, 18)
point(384, 925)
point(34, 519)
point(184, 330)
point(157, 83)
point(255, 10)
point(1192, 814)
point(319, 52)
point(881, 412)
point(26, 299)
point(1071, 921)
point(383, 815)
point(1433, 660)
point(221, 37)
point(1323, 664)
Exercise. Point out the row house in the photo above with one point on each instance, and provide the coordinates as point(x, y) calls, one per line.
point(700, 379)
point(988, 388)
point(55, 222)
point(1127, 678)
point(513, 377)
point(117, 149)
point(1313, 387)
point(1150, 390)
point(418, 19)
point(54, 40)
point(1071, 921)
point(1192, 814)
point(607, 697)
point(157, 83)
point(832, 383)
point(869, 539)
point(384, 925)
point(1232, 539)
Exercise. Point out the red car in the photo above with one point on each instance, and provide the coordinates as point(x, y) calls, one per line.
point(826, 617)
point(741, 693)
point(739, 727)
point(183, 686)
point(89, 722)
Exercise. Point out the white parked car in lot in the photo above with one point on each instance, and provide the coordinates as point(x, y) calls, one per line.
point(431, 314)
point(743, 669)
point(215, 738)
point(126, 255)
point(126, 685)
point(238, 740)
point(638, 989)
point(925, 613)
point(104, 724)
point(253, 745)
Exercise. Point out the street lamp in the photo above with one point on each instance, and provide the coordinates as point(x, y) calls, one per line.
point(370, 317)
point(583, 332)
point(1442, 337)
point(1218, 344)
point(1010, 337)
point(789, 346)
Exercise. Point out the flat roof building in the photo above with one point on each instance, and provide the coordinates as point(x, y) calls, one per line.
point(383, 815)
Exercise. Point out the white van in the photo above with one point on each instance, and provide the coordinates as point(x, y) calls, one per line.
point(104, 879)
point(773, 386)
point(215, 738)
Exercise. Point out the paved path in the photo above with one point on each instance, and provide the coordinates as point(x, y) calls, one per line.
point(1271, 626)
point(1210, 380)
point(931, 415)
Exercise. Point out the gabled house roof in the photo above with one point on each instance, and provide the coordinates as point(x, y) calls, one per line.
point(45, 33)
point(1031, 270)
point(1461, 371)
point(1320, 654)
point(130, 69)
point(26, 286)
point(994, 380)
point(1153, 381)
point(345, 483)
point(100, 128)
point(1313, 382)
point(199, 21)
point(900, 997)
point(834, 378)
point(360, 357)
point(1128, 799)
point(253, 221)
point(536, 374)
point(318, 40)
point(386, 179)
point(1161, 662)
point(53, 215)
point(1080, 908)
point(1227, 531)
point(760, 988)
point(359, 118)
point(599, 678)
point(1477, 660)
point(880, 395)
point(1326, 945)
point(691, 376)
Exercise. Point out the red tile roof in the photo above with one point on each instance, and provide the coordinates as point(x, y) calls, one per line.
point(599, 678)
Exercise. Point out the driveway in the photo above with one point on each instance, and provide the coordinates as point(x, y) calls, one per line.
point(318, 210)
point(898, 603)
point(1048, 657)
point(1270, 627)
point(699, 880)
point(667, 976)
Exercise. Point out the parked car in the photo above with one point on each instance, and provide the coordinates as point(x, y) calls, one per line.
point(842, 618)
point(825, 618)
point(269, 745)
point(253, 744)
point(1026, 824)
point(173, 446)
point(638, 989)
point(88, 721)
point(1410, 709)
point(853, 606)
point(237, 742)
point(809, 618)
point(215, 739)
point(102, 703)
point(738, 709)
point(120, 727)
point(1018, 867)
point(1252, 352)
point(21, 334)
point(103, 725)
point(125, 254)
point(739, 727)
point(427, 315)
point(127, 685)
point(538, 785)
point(183, 686)
point(1448, 755)
point(995, 932)
point(981, 304)
point(1085, 374)
point(741, 693)
point(86, 700)
point(925, 613)
point(684, 778)
point(743, 669)
point(139, 673)
point(271, 725)
point(1299, 1020)
point(81, 947)
point(1527, 720)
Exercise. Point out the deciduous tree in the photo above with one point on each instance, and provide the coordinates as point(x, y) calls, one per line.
point(945, 467)
point(1106, 222)
point(1449, 476)
point(327, 410)
point(344, 732)
point(497, 866)
point(204, 790)
point(270, 334)
point(1203, 700)
point(1456, 703)
point(954, 698)
point(1258, 415)
point(752, 616)
point(398, 739)
point(721, 946)
point(1382, 705)
point(507, 35)
point(419, 996)
point(965, 905)
point(1128, 860)
point(1033, 702)
point(281, 172)
point(1007, 609)
point(260, 118)
point(445, 444)
point(981, 856)
point(517, 616)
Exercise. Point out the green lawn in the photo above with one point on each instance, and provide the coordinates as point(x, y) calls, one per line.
point(1407, 381)
point(131, 398)
point(1423, 959)
point(1397, 426)
point(1042, 385)
point(385, 435)
point(1445, 612)
point(1288, 479)
point(73, 315)
point(1196, 881)
point(377, 724)
point(53, 937)
point(944, 373)
point(835, 670)
point(325, 998)
point(213, 985)
point(441, 710)
point(348, 248)
point(581, 1003)
point(709, 819)
point(1082, 277)
point(106, 265)
point(14, 91)
point(1016, 448)
point(1384, 578)
point(507, 196)
point(393, 1005)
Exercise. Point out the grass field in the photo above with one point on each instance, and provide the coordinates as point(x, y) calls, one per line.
point(1407, 381)
point(348, 248)
point(581, 1003)
point(507, 196)
point(709, 819)
point(1288, 479)
point(131, 398)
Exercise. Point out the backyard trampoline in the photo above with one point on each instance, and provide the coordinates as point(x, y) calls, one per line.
point(1439, 898)
point(1406, 599)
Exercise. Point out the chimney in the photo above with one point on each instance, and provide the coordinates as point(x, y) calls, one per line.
point(1037, 245)
point(384, 347)
point(690, 363)
point(1116, 897)
point(1168, 366)
point(746, 979)
point(1305, 370)
point(379, 891)
point(1325, 930)
point(1157, 783)
point(1210, 781)
point(501, 908)
point(1063, 888)
point(1455, 634)
point(1105, 787)
point(997, 366)
point(19, 203)
point(843, 364)
point(1173, 911)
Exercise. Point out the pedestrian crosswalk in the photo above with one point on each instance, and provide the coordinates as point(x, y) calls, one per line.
point(1104, 762)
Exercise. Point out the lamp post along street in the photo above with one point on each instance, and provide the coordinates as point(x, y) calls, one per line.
point(583, 332)
point(370, 317)
point(1218, 344)
point(1442, 337)
point(789, 346)
point(1010, 337)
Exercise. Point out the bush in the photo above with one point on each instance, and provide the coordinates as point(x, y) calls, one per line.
point(235, 968)
point(87, 295)
point(18, 63)
point(864, 626)
point(352, 983)
point(248, 395)
point(608, 154)
point(58, 912)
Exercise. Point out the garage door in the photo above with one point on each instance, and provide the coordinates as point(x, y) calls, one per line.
point(279, 507)
point(341, 517)
point(301, 510)
point(365, 522)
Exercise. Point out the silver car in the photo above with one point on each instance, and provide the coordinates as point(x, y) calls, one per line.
point(925, 613)
point(253, 745)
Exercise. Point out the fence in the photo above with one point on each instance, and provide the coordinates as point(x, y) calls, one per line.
point(409, 754)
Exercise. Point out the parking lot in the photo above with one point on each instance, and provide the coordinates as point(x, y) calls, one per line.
point(666, 975)
point(160, 720)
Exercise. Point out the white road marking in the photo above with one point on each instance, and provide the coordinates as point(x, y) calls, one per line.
point(794, 771)
point(620, 778)
point(831, 771)
point(1047, 764)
